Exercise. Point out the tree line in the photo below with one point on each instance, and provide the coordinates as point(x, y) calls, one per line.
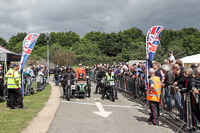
point(70, 48)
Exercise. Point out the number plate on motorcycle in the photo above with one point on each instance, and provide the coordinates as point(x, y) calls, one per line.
point(112, 83)
point(73, 87)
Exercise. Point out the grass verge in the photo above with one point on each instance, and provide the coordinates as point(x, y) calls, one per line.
point(14, 121)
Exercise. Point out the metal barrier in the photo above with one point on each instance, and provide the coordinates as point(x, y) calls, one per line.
point(172, 102)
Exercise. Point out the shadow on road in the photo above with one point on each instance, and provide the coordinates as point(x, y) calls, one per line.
point(163, 123)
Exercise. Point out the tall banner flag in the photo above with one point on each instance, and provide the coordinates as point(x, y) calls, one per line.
point(28, 45)
point(152, 43)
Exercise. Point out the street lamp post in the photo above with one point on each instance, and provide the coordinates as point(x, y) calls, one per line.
point(48, 37)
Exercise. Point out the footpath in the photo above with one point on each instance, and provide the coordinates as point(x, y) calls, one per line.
point(42, 122)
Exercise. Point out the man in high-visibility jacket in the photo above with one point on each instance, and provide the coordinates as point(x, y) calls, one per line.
point(80, 70)
point(13, 81)
point(109, 76)
point(153, 95)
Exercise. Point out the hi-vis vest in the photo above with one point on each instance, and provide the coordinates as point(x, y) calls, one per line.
point(12, 77)
point(108, 77)
point(156, 92)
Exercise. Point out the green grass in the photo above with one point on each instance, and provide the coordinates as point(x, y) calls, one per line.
point(14, 121)
point(75, 67)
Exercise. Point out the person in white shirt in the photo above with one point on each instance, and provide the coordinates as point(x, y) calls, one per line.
point(171, 57)
point(124, 68)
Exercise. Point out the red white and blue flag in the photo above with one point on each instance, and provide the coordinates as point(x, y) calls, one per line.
point(28, 45)
point(152, 43)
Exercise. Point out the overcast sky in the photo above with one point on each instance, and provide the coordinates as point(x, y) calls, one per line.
point(83, 16)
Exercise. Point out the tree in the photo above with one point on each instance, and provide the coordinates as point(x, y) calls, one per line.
point(16, 40)
point(3, 42)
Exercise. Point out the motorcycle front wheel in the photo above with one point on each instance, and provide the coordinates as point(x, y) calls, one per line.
point(68, 94)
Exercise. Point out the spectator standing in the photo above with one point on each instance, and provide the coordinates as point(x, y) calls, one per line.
point(117, 70)
point(29, 70)
point(171, 57)
point(140, 65)
point(1, 80)
point(57, 75)
point(195, 84)
point(168, 82)
point(13, 80)
point(153, 95)
point(179, 62)
point(39, 79)
point(179, 83)
point(124, 68)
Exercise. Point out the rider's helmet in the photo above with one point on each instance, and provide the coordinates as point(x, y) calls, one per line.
point(102, 68)
point(69, 69)
point(87, 67)
point(110, 70)
point(80, 76)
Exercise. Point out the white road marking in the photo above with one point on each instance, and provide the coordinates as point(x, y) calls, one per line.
point(88, 99)
point(96, 99)
point(102, 112)
point(77, 99)
point(122, 106)
point(115, 106)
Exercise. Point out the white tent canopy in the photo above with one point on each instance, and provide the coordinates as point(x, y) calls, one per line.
point(191, 59)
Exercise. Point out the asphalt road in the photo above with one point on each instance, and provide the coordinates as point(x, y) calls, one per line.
point(93, 115)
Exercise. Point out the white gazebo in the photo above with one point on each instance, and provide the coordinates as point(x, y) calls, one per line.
point(189, 60)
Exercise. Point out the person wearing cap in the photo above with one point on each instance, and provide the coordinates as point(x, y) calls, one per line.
point(80, 70)
point(1, 80)
point(13, 82)
point(29, 70)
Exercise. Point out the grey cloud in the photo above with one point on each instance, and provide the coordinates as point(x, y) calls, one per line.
point(83, 16)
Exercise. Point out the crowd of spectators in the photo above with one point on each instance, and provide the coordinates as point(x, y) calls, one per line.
point(13, 92)
point(177, 82)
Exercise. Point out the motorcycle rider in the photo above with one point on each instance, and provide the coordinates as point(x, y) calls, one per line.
point(87, 71)
point(63, 71)
point(109, 76)
point(67, 75)
point(100, 75)
point(80, 70)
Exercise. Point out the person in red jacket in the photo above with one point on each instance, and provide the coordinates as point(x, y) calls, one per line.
point(80, 70)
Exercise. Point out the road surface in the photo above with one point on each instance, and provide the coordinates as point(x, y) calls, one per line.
point(94, 115)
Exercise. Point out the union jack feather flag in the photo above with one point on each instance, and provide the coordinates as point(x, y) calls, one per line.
point(28, 45)
point(152, 43)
